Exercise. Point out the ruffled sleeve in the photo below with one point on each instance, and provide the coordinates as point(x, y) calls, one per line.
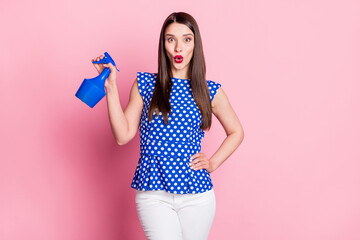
point(213, 88)
point(144, 81)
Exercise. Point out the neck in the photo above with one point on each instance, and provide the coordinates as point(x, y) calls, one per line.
point(182, 74)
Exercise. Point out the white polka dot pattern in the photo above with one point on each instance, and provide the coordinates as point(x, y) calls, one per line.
point(165, 150)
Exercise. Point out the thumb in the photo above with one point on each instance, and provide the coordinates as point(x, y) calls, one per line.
point(109, 65)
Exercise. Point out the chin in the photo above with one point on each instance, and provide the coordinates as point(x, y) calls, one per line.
point(179, 67)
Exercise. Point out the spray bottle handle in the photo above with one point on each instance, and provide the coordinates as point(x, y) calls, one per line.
point(107, 59)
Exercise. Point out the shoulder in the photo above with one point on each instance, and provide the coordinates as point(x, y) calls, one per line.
point(146, 76)
point(213, 88)
point(146, 82)
point(213, 85)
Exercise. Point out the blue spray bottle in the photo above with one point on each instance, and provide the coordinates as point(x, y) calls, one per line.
point(92, 90)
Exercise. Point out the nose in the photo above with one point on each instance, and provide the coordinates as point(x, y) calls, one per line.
point(178, 47)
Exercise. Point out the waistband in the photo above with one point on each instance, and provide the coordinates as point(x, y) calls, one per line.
point(169, 149)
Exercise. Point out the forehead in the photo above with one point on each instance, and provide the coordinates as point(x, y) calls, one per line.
point(177, 29)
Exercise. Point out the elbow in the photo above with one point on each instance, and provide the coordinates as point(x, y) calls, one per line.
point(125, 139)
point(242, 135)
point(121, 142)
point(239, 136)
point(239, 139)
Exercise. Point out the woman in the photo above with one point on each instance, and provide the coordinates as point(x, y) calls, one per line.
point(175, 198)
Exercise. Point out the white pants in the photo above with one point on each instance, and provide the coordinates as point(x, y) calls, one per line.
point(169, 216)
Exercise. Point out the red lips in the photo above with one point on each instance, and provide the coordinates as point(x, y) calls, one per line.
point(178, 58)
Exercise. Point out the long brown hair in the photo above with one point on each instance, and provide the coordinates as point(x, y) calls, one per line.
point(160, 101)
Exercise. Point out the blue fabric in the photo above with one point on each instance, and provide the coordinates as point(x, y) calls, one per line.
point(165, 150)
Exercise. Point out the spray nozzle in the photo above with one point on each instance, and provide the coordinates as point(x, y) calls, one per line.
point(107, 59)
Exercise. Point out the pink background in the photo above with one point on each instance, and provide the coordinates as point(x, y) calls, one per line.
point(290, 69)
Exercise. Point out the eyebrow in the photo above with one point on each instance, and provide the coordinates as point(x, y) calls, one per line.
point(187, 34)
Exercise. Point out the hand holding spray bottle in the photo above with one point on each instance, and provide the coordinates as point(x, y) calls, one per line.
point(92, 90)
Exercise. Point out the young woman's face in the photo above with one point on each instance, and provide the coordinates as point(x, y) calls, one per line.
point(179, 46)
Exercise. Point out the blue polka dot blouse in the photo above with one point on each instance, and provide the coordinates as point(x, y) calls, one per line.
point(165, 150)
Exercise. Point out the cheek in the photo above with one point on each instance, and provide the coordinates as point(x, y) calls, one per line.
point(191, 52)
point(167, 47)
point(167, 51)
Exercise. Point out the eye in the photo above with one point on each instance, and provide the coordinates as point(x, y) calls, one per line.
point(187, 39)
point(169, 39)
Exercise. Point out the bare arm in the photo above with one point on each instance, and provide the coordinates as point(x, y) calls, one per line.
point(124, 124)
point(224, 112)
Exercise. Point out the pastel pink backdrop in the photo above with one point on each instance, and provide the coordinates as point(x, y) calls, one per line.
point(289, 68)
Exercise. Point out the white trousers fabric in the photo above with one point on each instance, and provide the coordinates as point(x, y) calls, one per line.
point(169, 216)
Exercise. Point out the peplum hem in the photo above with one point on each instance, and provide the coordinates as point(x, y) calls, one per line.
point(169, 174)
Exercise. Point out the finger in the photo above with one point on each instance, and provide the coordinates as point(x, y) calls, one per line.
point(109, 65)
point(200, 166)
point(194, 156)
point(195, 162)
point(94, 60)
point(200, 157)
point(96, 66)
point(199, 154)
